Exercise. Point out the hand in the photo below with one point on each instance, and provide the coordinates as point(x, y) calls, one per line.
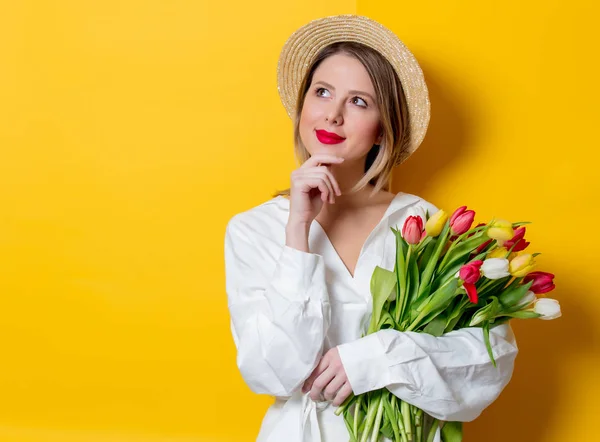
point(330, 378)
point(312, 184)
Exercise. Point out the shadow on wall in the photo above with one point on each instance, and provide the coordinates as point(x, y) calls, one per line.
point(447, 135)
point(529, 401)
point(527, 405)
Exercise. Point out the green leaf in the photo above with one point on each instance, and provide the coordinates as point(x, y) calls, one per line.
point(413, 279)
point(523, 314)
point(427, 252)
point(431, 263)
point(437, 326)
point(439, 300)
point(490, 311)
point(452, 432)
point(387, 430)
point(383, 283)
point(441, 278)
point(349, 421)
point(456, 313)
point(400, 273)
point(514, 294)
point(391, 416)
point(462, 250)
point(386, 320)
point(486, 338)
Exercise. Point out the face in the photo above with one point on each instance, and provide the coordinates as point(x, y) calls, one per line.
point(341, 101)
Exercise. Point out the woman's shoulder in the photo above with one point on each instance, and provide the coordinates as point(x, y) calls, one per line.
point(267, 219)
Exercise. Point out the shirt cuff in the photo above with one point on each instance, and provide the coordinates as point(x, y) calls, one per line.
point(299, 275)
point(365, 363)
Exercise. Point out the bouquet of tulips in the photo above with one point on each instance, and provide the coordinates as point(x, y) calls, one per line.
point(447, 275)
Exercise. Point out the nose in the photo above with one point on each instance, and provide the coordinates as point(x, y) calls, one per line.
point(333, 114)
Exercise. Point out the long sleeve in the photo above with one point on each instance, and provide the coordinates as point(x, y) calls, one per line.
point(279, 308)
point(450, 377)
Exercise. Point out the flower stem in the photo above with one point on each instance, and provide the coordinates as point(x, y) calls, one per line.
point(375, 435)
point(405, 409)
point(419, 424)
point(434, 426)
point(356, 414)
point(372, 408)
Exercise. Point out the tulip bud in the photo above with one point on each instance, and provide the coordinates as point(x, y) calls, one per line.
point(412, 230)
point(495, 268)
point(471, 272)
point(498, 252)
point(461, 220)
point(518, 241)
point(482, 246)
point(435, 223)
point(542, 282)
point(471, 292)
point(548, 308)
point(500, 230)
point(521, 265)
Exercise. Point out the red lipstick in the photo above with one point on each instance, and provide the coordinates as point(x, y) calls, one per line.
point(328, 137)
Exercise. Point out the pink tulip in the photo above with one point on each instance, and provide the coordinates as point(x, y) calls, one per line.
point(518, 239)
point(482, 246)
point(471, 272)
point(542, 282)
point(413, 230)
point(461, 220)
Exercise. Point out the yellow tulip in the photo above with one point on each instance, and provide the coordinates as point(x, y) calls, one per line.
point(435, 223)
point(501, 230)
point(521, 265)
point(498, 252)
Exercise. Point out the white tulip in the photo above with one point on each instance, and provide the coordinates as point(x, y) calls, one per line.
point(548, 308)
point(495, 268)
point(528, 299)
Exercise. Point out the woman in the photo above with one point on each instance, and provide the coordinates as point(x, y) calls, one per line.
point(298, 266)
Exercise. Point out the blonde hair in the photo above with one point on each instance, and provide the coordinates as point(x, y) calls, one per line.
point(392, 106)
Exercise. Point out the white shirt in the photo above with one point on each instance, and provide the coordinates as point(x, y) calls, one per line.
point(288, 307)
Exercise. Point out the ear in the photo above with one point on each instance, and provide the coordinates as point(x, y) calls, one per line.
point(379, 138)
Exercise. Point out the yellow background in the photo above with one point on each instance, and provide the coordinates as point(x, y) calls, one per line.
point(131, 131)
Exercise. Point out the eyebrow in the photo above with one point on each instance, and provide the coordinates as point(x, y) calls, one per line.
point(351, 92)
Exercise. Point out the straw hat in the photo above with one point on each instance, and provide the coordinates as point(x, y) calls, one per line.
point(302, 46)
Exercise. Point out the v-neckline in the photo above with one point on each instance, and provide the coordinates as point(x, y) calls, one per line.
point(386, 214)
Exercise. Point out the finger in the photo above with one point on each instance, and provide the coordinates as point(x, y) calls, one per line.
point(320, 383)
point(311, 181)
point(342, 394)
point(333, 181)
point(322, 172)
point(320, 368)
point(321, 157)
point(319, 176)
point(333, 387)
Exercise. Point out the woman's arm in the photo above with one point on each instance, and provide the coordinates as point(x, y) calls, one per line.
point(279, 310)
point(450, 377)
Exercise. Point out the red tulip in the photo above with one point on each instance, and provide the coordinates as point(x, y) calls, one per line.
point(471, 292)
point(542, 282)
point(482, 246)
point(470, 272)
point(518, 239)
point(413, 229)
point(461, 220)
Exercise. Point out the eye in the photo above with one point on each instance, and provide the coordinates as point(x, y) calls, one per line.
point(365, 105)
point(320, 89)
point(364, 101)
